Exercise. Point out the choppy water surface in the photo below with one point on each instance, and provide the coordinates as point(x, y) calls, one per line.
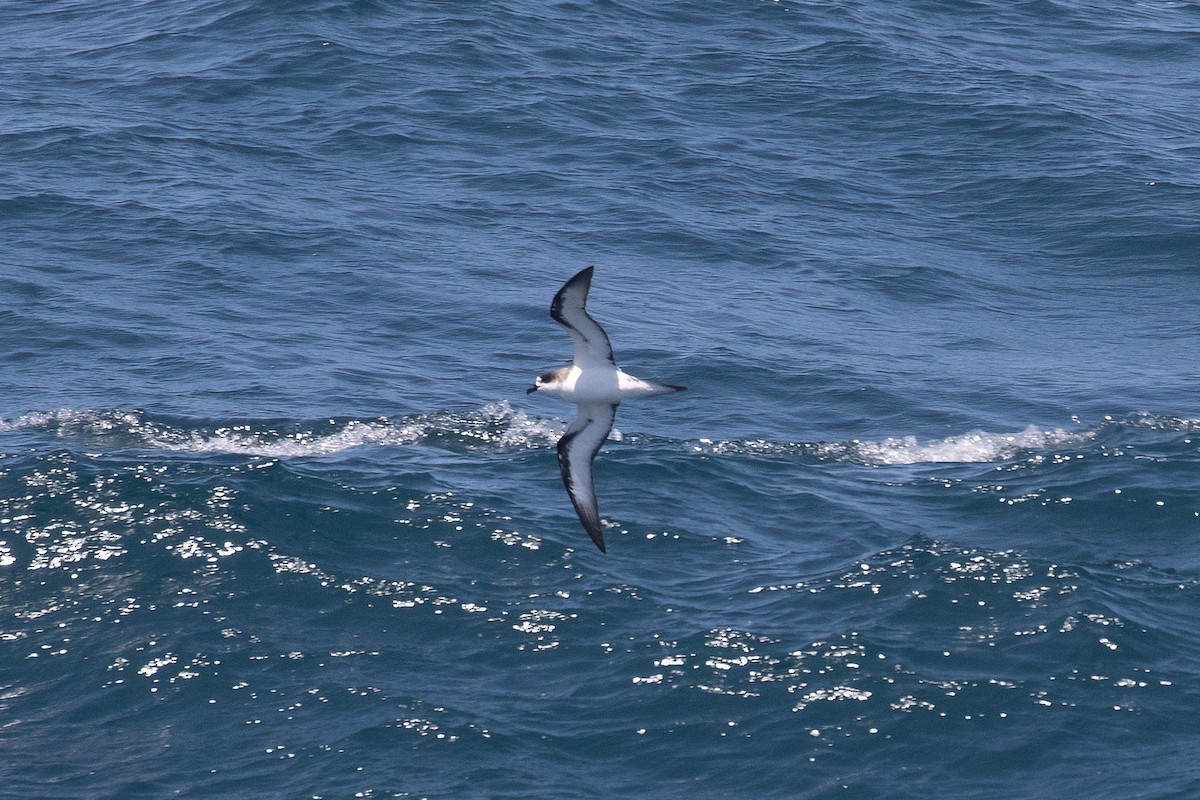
point(278, 520)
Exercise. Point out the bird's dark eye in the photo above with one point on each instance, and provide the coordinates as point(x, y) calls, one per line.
point(546, 378)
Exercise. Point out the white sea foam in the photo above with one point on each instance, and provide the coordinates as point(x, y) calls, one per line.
point(971, 447)
point(493, 426)
point(244, 439)
point(966, 448)
point(86, 422)
point(498, 426)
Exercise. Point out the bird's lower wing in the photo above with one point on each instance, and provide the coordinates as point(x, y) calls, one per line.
point(576, 450)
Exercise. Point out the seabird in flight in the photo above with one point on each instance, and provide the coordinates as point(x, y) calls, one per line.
point(595, 384)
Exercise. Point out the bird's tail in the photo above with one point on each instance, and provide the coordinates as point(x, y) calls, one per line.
point(632, 387)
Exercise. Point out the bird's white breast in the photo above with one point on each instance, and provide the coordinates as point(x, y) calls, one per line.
point(595, 385)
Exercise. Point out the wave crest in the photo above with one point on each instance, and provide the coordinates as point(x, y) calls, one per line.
point(495, 426)
point(965, 448)
point(498, 427)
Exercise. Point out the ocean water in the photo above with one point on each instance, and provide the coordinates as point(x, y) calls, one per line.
point(277, 519)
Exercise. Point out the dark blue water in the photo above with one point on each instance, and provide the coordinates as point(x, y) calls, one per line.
point(277, 519)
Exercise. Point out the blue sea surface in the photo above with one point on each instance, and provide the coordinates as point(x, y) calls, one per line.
point(278, 520)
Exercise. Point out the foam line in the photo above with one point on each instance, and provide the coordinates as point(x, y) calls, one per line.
point(498, 426)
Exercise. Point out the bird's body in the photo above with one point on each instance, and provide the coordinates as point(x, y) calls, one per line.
point(597, 386)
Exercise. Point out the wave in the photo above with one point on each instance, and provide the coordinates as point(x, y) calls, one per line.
point(965, 448)
point(972, 447)
point(495, 426)
point(498, 427)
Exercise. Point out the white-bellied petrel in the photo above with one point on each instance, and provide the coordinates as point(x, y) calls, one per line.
point(595, 384)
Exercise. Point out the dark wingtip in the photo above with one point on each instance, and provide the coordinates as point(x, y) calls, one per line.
point(583, 276)
point(593, 530)
point(676, 388)
point(598, 538)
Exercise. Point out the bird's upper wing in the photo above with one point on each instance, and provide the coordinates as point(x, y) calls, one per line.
point(576, 449)
point(570, 310)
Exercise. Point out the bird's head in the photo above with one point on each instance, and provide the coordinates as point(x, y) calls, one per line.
point(548, 380)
